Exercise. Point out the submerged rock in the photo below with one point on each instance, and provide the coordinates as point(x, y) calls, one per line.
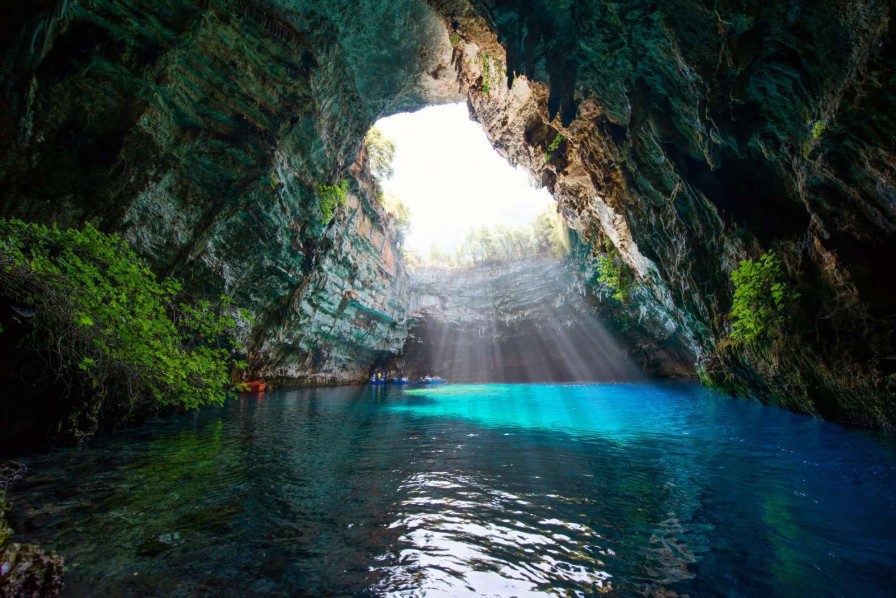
point(27, 570)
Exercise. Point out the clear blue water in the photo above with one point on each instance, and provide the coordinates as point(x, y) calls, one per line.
point(496, 489)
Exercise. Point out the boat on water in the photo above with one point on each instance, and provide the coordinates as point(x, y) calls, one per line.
point(256, 386)
point(400, 381)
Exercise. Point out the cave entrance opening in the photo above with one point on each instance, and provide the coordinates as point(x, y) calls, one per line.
point(495, 292)
point(456, 200)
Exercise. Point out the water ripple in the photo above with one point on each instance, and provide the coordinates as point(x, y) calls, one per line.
point(497, 490)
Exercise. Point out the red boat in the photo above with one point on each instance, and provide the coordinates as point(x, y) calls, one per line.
point(257, 386)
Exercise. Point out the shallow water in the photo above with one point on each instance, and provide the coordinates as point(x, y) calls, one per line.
point(496, 489)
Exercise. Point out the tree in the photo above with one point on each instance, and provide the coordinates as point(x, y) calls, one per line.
point(380, 153)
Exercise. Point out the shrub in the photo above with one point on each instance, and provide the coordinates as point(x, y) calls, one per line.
point(331, 197)
point(380, 153)
point(108, 325)
point(761, 295)
point(612, 272)
point(400, 213)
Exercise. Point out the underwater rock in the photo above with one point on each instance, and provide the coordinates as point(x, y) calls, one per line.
point(27, 570)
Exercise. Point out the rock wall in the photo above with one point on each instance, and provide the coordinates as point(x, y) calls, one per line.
point(202, 130)
point(691, 137)
point(531, 321)
point(686, 135)
point(352, 313)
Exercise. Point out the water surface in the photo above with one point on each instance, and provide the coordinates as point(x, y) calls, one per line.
point(489, 489)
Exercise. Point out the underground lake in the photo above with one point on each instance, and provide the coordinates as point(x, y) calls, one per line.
point(448, 297)
point(497, 489)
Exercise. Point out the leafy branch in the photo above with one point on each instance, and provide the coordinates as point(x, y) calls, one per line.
point(761, 296)
point(109, 326)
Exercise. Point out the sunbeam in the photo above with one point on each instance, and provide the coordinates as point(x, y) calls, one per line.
point(510, 322)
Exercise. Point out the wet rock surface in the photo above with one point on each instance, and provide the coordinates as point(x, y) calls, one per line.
point(689, 137)
point(527, 322)
point(28, 570)
point(25, 569)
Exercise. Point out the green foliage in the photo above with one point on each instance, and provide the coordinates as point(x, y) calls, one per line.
point(400, 213)
point(553, 147)
point(558, 139)
point(819, 129)
point(546, 237)
point(5, 530)
point(485, 61)
point(551, 234)
point(108, 323)
point(331, 197)
point(761, 295)
point(380, 153)
point(613, 273)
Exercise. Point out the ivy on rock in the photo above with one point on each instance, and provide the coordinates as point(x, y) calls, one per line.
point(761, 296)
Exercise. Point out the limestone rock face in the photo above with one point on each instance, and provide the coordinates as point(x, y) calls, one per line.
point(687, 135)
point(28, 570)
point(201, 131)
point(526, 322)
point(351, 311)
point(694, 136)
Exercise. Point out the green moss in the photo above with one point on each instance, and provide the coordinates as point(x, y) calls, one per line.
point(819, 129)
point(331, 197)
point(109, 325)
point(761, 296)
point(485, 60)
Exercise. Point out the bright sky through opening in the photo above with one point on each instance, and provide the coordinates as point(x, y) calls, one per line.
point(451, 178)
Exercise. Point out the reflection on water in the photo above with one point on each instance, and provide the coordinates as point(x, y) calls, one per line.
point(494, 489)
point(462, 535)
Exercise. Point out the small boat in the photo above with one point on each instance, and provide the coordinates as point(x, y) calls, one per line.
point(376, 381)
point(256, 386)
point(400, 381)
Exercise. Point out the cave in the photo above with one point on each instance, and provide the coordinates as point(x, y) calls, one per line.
point(725, 173)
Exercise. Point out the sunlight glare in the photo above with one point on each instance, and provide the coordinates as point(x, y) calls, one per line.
point(451, 178)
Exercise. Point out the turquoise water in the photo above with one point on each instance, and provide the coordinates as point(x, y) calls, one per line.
point(488, 489)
